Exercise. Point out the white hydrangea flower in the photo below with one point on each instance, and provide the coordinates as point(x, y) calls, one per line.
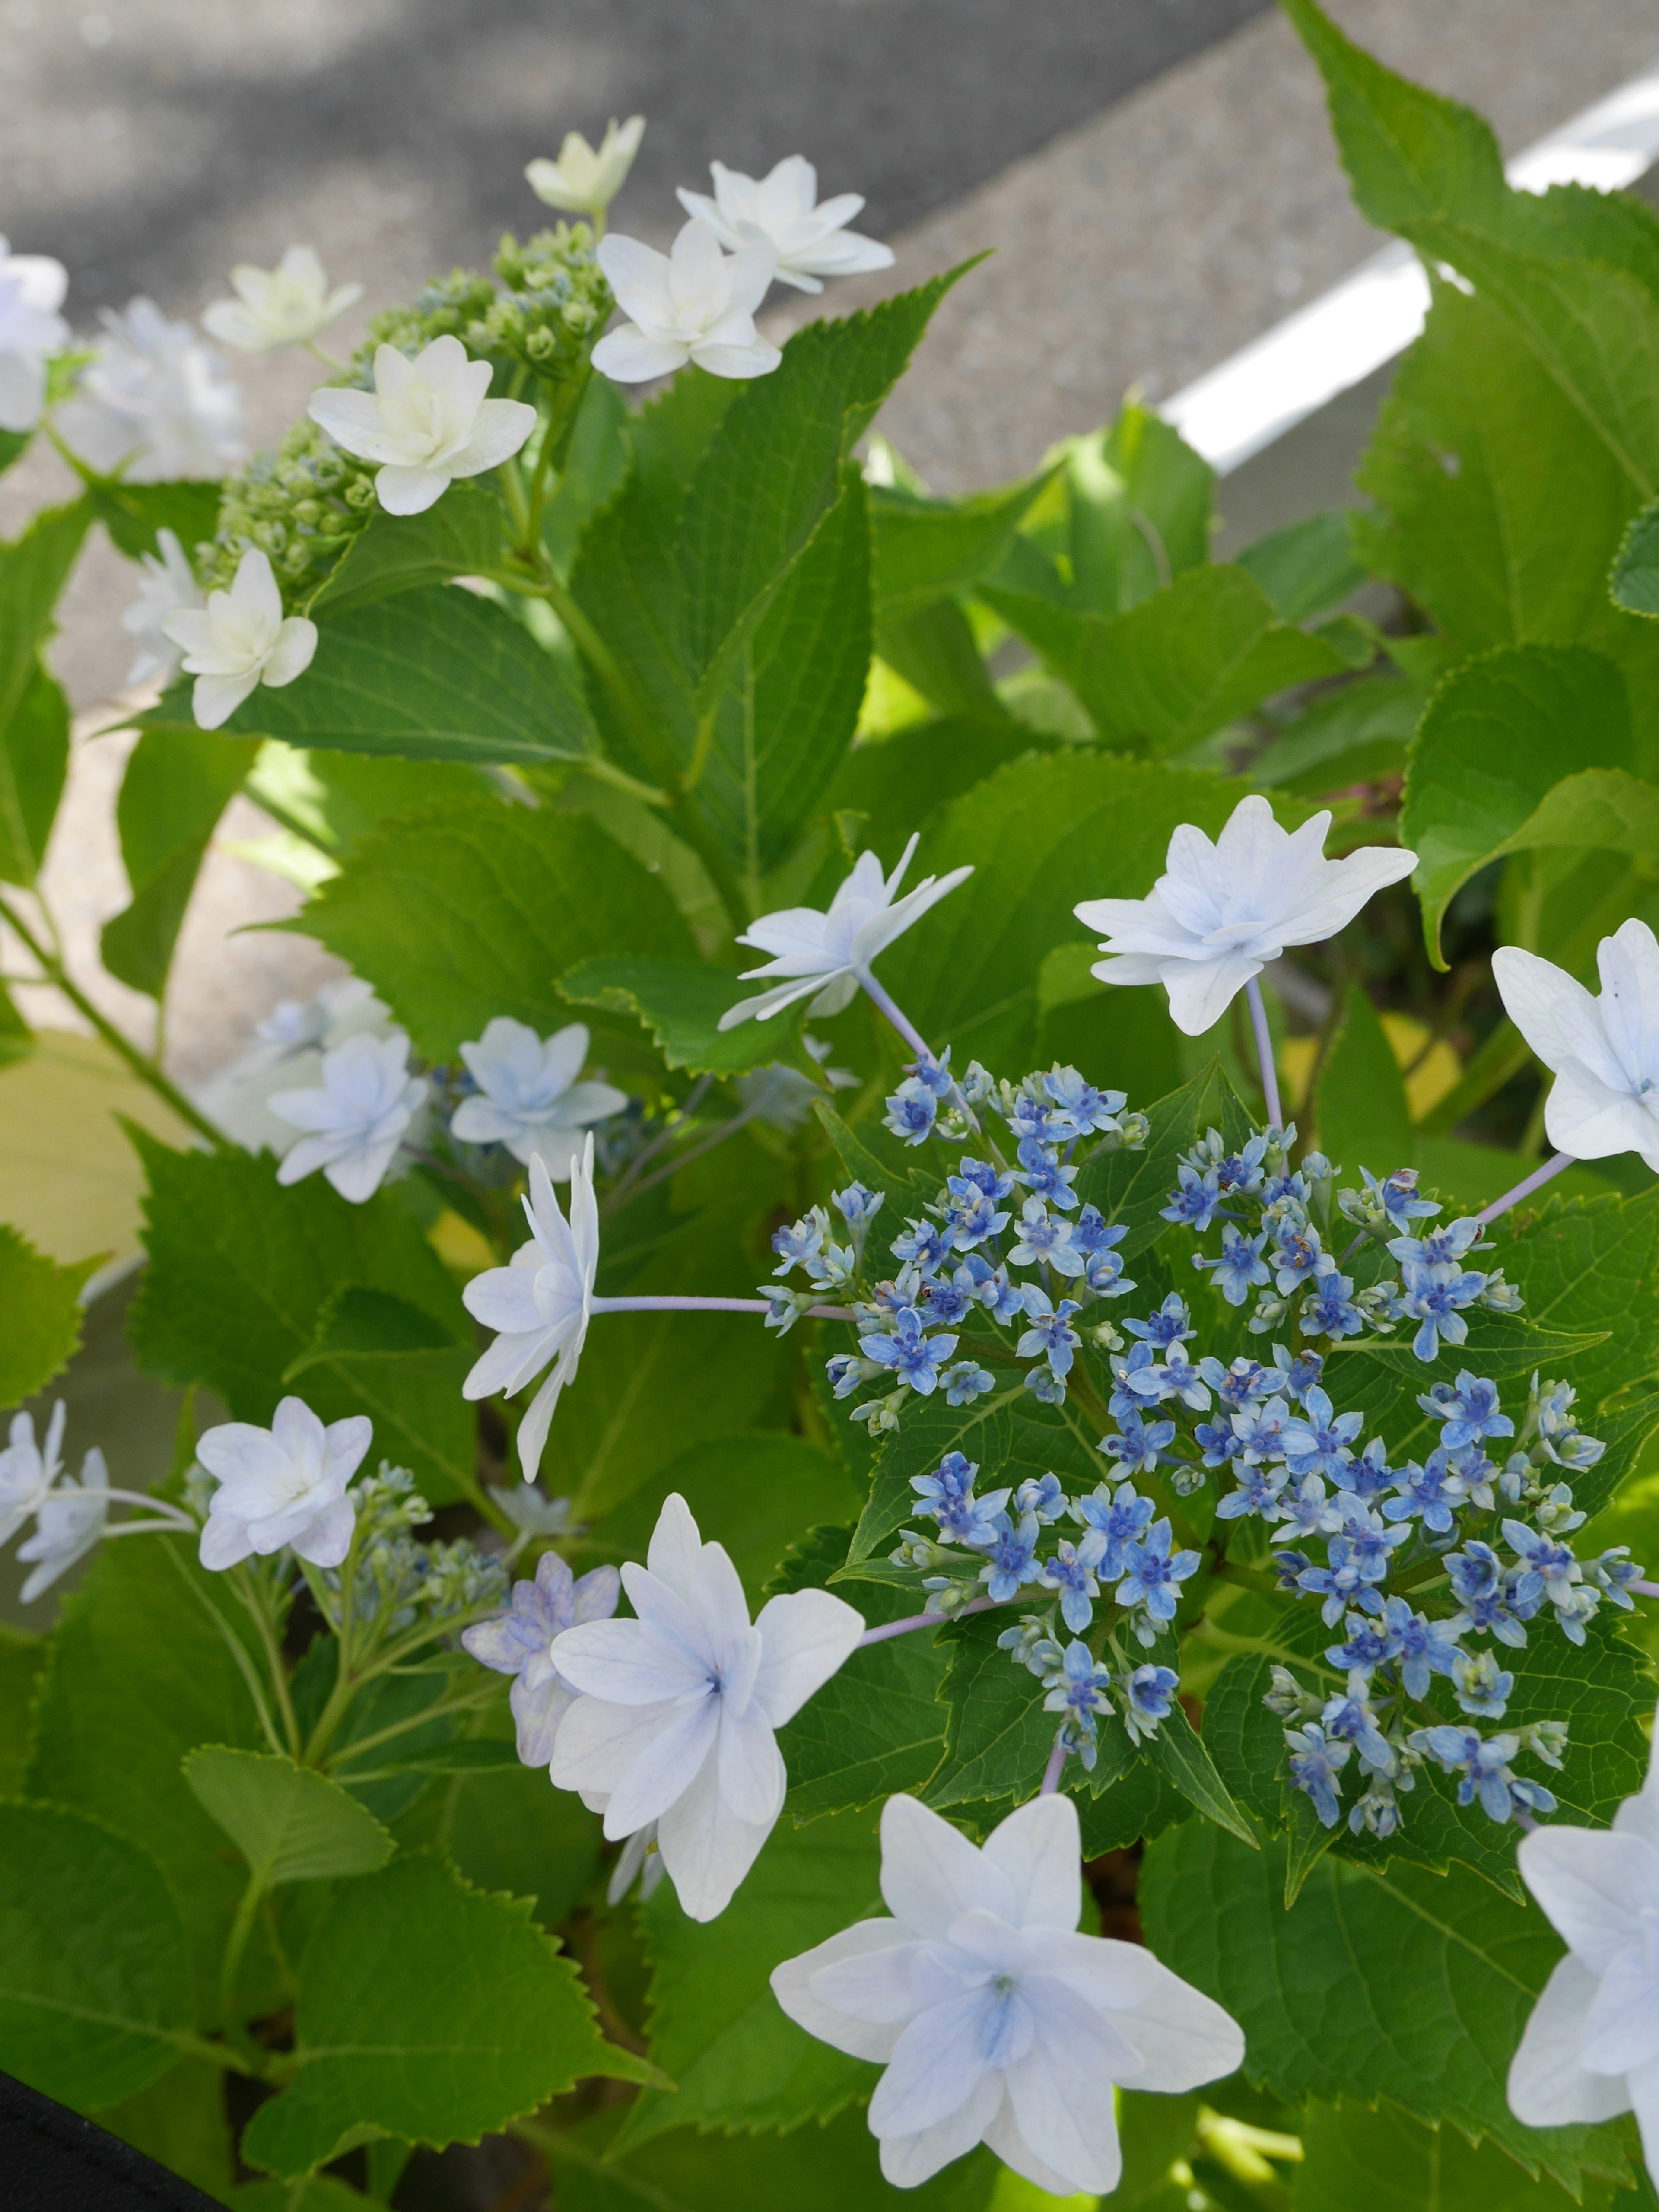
point(289, 305)
point(1221, 911)
point(995, 2019)
point(809, 238)
point(169, 587)
point(584, 181)
point(427, 422)
point(693, 303)
point(286, 1053)
point(528, 1098)
point(679, 1707)
point(284, 1484)
point(155, 403)
point(519, 1642)
point(356, 1118)
point(67, 1524)
point(1603, 1052)
point(238, 640)
point(32, 288)
point(541, 1304)
point(830, 954)
point(27, 1470)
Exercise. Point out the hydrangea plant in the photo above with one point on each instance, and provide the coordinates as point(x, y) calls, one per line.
point(823, 1475)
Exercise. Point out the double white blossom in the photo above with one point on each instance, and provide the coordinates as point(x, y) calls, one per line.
point(155, 403)
point(357, 1118)
point(1223, 911)
point(676, 1719)
point(541, 1303)
point(286, 1053)
point(808, 238)
point(427, 422)
point(996, 2020)
point(289, 305)
point(27, 1470)
point(693, 303)
point(69, 1521)
point(32, 288)
point(528, 1096)
point(284, 1484)
point(1604, 1051)
point(167, 587)
point(584, 181)
point(830, 954)
point(1591, 2046)
point(238, 640)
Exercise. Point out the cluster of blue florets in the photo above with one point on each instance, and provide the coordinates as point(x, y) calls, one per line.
point(1274, 1220)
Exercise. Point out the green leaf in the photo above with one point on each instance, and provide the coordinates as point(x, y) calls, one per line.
point(373, 1352)
point(331, 799)
point(716, 2029)
point(1355, 735)
point(42, 1305)
point(1491, 748)
point(181, 2123)
point(927, 549)
point(289, 1823)
point(680, 1002)
point(133, 513)
point(177, 784)
point(459, 911)
point(998, 1736)
point(1405, 1985)
point(1360, 1109)
point(435, 2041)
point(34, 761)
point(509, 1829)
point(1179, 1754)
point(1634, 583)
point(461, 536)
point(1130, 1187)
point(934, 649)
point(896, 782)
point(1306, 568)
point(1393, 2164)
point(33, 569)
point(983, 1432)
point(790, 431)
point(596, 460)
point(440, 675)
point(241, 1270)
point(1182, 664)
point(1138, 500)
point(1042, 834)
point(875, 1728)
point(95, 1981)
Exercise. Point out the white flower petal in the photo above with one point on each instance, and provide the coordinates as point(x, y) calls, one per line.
point(599, 1742)
point(1057, 2091)
point(1592, 1886)
point(1037, 1849)
point(908, 2160)
point(750, 1769)
point(705, 1848)
point(1548, 2085)
point(930, 1872)
point(805, 1636)
point(793, 1984)
point(619, 1661)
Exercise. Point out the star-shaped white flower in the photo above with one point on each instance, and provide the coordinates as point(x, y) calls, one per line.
point(32, 288)
point(528, 1096)
point(693, 303)
point(676, 1719)
point(1591, 2047)
point(541, 1303)
point(168, 587)
point(996, 2020)
point(1223, 911)
point(238, 640)
point(584, 180)
point(155, 403)
point(68, 1524)
point(520, 1642)
point(284, 1484)
point(831, 953)
point(1604, 1051)
point(357, 1119)
point(27, 1470)
point(782, 211)
point(289, 305)
point(427, 422)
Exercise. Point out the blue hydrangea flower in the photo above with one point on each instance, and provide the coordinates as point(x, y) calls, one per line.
point(1138, 1381)
point(848, 1373)
point(953, 1478)
point(1238, 1385)
point(1306, 1510)
point(1179, 1378)
point(923, 1244)
point(1315, 1766)
point(1552, 1564)
point(1485, 1769)
point(1150, 1693)
point(1330, 1310)
point(1090, 1232)
point(1426, 1647)
point(1289, 1567)
point(1469, 1409)
point(1240, 1268)
point(1012, 1557)
point(1217, 1441)
point(1043, 1175)
point(1171, 1324)
point(943, 1304)
point(1050, 1336)
point(1257, 1493)
point(1367, 1477)
point(1433, 1490)
point(1071, 1572)
point(1105, 1277)
point(1120, 1516)
point(1047, 1389)
point(1137, 1449)
point(1481, 1686)
point(914, 1358)
point(1613, 1573)
point(1293, 1377)
point(981, 1177)
point(1371, 1643)
point(1396, 1195)
point(1003, 1299)
point(1439, 1247)
point(934, 1075)
point(1030, 1645)
point(1041, 1495)
point(1319, 1444)
point(1373, 1541)
point(1151, 1575)
point(965, 1381)
point(1242, 1171)
point(799, 1241)
point(857, 1207)
point(1434, 1298)
point(1297, 1254)
point(1194, 1200)
point(892, 1298)
point(1261, 1429)
point(1083, 1106)
point(1078, 1688)
point(974, 1220)
point(1341, 1582)
point(1045, 1240)
point(911, 1111)
point(1348, 1719)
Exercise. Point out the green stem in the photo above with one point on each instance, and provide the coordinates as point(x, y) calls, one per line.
point(473, 1702)
point(241, 1928)
point(237, 1649)
point(247, 1589)
point(513, 491)
point(53, 972)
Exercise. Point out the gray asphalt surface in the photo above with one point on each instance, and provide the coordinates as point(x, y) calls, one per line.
point(138, 129)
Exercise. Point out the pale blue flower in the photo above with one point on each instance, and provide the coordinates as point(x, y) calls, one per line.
point(1012, 1557)
point(1481, 1686)
point(1319, 1444)
point(1314, 1765)
point(1137, 1447)
point(1469, 1409)
point(1045, 1240)
point(1151, 1575)
point(1194, 1200)
point(913, 1357)
point(1257, 1493)
point(965, 1381)
point(1041, 1495)
point(1330, 1310)
point(1120, 1515)
point(1078, 1688)
point(1240, 1268)
point(1050, 1336)
point(1071, 1572)
point(1434, 1298)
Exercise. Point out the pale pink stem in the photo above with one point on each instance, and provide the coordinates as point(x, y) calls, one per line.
point(1525, 1188)
point(1264, 1052)
point(1050, 1781)
point(891, 1628)
point(1523, 1819)
point(1643, 1589)
point(707, 1305)
point(879, 998)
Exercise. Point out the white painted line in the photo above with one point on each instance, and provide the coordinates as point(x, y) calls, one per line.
point(1301, 363)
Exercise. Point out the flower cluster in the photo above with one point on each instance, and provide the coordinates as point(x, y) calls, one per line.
point(299, 506)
